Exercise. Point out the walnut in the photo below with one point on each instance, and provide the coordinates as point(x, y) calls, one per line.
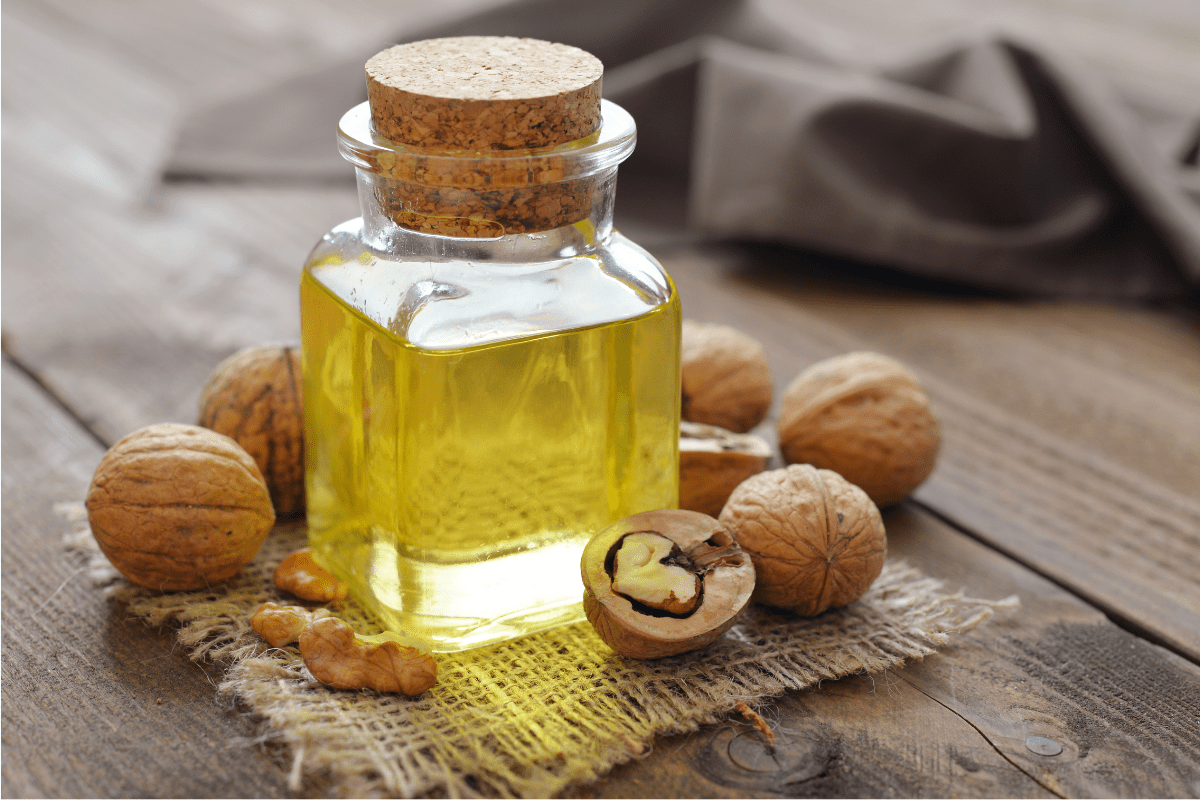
point(662, 583)
point(864, 416)
point(726, 379)
point(712, 461)
point(816, 540)
point(386, 662)
point(256, 397)
point(178, 507)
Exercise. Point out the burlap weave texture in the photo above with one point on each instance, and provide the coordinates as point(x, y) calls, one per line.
point(532, 717)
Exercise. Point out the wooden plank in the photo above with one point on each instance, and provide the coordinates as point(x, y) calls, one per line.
point(1104, 508)
point(117, 289)
point(78, 110)
point(1074, 368)
point(95, 704)
point(126, 319)
point(956, 724)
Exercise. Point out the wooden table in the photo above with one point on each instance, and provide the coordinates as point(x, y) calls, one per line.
point(1070, 473)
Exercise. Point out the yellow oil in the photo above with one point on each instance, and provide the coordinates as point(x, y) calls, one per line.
point(455, 488)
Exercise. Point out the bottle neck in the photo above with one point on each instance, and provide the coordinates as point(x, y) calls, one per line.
point(513, 225)
point(504, 205)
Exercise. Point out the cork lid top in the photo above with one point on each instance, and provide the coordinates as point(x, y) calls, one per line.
point(485, 68)
point(484, 92)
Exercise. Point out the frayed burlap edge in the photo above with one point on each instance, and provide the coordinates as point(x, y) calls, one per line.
point(531, 717)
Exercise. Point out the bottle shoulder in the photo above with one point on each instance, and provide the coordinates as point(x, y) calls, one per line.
point(448, 303)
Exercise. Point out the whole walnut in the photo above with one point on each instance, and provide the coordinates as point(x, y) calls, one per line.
point(178, 507)
point(726, 379)
point(256, 397)
point(816, 540)
point(866, 417)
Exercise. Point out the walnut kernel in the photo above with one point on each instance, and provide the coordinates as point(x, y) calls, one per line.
point(178, 507)
point(643, 570)
point(816, 540)
point(726, 379)
point(256, 397)
point(281, 625)
point(386, 662)
point(866, 417)
point(300, 574)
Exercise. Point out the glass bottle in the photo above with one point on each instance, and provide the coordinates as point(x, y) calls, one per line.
point(479, 402)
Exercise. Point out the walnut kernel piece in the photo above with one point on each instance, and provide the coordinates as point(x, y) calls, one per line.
point(385, 662)
point(701, 546)
point(255, 396)
point(713, 461)
point(866, 417)
point(646, 569)
point(301, 575)
point(178, 507)
point(282, 625)
point(816, 540)
point(726, 379)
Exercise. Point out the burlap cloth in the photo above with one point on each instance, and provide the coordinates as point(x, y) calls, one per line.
point(531, 717)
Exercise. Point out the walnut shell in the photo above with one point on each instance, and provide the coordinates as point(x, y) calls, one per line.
point(256, 397)
point(726, 576)
point(178, 507)
point(816, 540)
point(726, 379)
point(866, 417)
point(712, 462)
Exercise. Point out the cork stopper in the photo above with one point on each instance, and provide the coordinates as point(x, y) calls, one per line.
point(484, 93)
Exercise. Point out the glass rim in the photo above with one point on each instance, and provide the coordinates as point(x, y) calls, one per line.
point(607, 147)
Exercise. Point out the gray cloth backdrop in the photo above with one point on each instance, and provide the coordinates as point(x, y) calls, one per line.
point(983, 158)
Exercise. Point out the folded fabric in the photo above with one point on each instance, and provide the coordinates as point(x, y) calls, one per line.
point(983, 159)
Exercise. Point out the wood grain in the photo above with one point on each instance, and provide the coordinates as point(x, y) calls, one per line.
point(1104, 508)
